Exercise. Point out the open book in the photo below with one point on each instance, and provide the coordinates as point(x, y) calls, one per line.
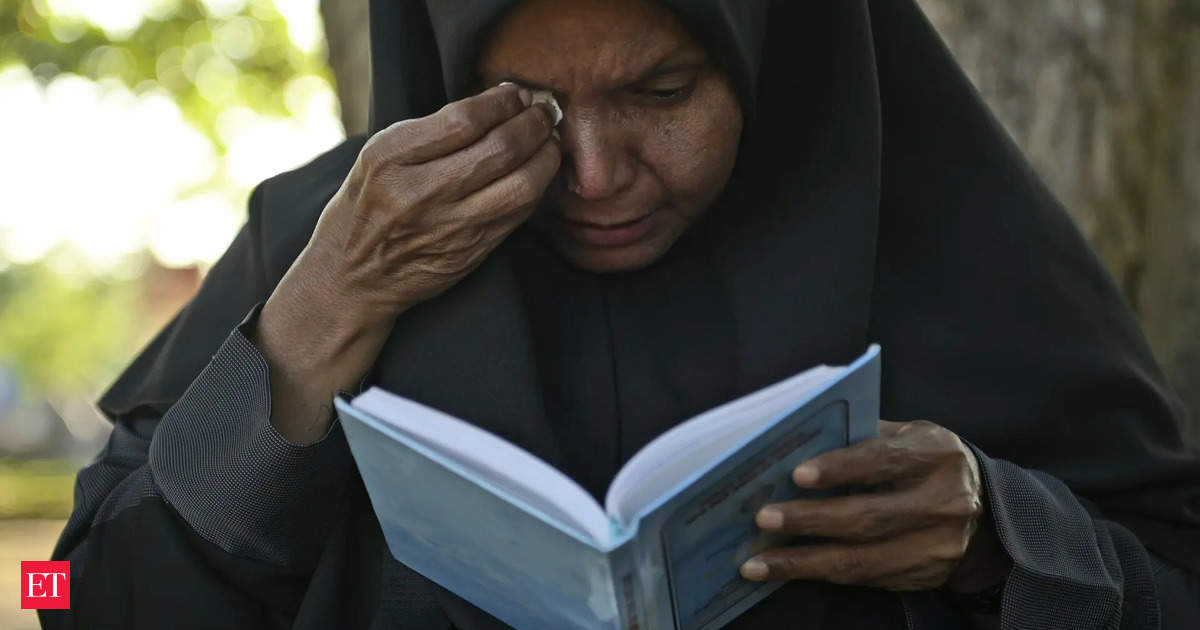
point(521, 540)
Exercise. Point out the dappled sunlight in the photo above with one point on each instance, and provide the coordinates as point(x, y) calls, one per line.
point(95, 163)
point(110, 170)
point(132, 133)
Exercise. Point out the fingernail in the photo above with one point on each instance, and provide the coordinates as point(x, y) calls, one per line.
point(754, 569)
point(769, 518)
point(554, 134)
point(523, 93)
point(805, 475)
point(546, 98)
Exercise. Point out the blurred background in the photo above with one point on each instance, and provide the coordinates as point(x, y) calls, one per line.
point(131, 132)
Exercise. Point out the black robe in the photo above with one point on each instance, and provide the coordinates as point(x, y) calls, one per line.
point(874, 200)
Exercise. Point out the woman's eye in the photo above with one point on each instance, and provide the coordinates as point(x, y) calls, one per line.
point(665, 95)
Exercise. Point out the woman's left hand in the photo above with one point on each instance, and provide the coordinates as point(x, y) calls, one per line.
point(908, 532)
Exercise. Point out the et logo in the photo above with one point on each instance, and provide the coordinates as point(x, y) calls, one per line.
point(45, 584)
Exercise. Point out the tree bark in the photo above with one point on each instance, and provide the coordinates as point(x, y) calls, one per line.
point(1102, 96)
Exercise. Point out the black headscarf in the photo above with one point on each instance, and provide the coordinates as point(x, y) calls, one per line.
point(874, 200)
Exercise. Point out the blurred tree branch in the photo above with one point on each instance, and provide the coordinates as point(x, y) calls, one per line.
point(166, 53)
point(66, 333)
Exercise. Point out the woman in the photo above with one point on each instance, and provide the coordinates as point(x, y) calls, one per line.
point(738, 191)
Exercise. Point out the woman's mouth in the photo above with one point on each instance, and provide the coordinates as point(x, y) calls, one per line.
point(608, 235)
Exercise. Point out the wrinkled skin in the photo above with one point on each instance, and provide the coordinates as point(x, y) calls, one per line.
point(425, 202)
point(911, 532)
point(651, 125)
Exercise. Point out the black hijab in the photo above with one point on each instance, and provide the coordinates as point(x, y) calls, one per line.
point(875, 200)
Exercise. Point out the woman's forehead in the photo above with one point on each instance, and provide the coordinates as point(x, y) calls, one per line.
point(586, 44)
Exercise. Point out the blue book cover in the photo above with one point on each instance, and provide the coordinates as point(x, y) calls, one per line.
point(517, 538)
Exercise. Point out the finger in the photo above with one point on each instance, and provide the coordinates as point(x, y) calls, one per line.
point(859, 517)
point(833, 562)
point(498, 153)
point(513, 197)
point(871, 461)
point(918, 560)
point(452, 128)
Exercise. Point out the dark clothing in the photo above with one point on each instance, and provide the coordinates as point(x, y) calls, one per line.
point(209, 532)
point(874, 200)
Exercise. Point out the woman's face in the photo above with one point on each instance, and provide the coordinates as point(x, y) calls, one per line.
point(650, 130)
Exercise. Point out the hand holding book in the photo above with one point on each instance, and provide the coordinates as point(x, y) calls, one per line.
point(909, 534)
point(661, 551)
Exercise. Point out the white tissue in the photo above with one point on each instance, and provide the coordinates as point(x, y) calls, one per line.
point(547, 97)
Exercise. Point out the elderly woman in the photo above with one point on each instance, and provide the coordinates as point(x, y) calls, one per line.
point(738, 190)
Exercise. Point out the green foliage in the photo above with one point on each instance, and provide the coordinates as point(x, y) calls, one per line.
point(206, 63)
point(67, 334)
point(36, 489)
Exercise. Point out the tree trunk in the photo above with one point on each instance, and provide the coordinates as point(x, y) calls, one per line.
point(1102, 96)
point(349, 55)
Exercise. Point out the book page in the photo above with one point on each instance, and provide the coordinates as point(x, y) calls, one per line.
point(528, 571)
point(709, 532)
point(494, 460)
point(675, 455)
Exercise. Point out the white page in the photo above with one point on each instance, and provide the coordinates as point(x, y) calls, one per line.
point(510, 467)
point(673, 456)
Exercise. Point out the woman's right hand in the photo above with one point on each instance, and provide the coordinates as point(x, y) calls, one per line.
point(424, 204)
point(429, 198)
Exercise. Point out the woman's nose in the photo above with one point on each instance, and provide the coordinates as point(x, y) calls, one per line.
point(596, 162)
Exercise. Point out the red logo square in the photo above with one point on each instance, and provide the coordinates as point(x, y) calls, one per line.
point(45, 584)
